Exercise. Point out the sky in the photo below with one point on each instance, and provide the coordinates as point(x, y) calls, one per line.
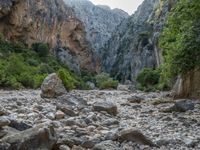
point(130, 6)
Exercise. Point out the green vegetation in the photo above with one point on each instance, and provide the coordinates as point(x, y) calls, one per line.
point(180, 40)
point(148, 79)
point(103, 81)
point(41, 48)
point(67, 79)
point(21, 67)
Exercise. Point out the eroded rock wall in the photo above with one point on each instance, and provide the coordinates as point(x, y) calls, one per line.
point(47, 21)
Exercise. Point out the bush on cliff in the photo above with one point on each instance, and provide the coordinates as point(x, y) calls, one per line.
point(180, 40)
point(41, 48)
point(148, 79)
point(104, 81)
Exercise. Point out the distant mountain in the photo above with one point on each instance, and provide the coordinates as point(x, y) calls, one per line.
point(100, 21)
point(132, 45)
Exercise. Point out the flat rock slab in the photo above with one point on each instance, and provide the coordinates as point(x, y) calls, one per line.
point(135, 99)
point(181, 106)
point(134, 135)
point(109, 107)
point(106, 145)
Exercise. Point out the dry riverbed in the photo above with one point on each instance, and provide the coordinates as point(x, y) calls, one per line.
point(98, 120)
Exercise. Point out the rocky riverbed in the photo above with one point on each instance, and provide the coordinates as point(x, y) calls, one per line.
point(98, 120)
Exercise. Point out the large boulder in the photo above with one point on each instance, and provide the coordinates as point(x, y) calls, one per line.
point(41, 137)
point(180, 106)
point(109, 107)
point(134, 135)
point(52, 87)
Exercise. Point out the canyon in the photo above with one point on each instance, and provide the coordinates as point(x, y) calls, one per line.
point(94, 40)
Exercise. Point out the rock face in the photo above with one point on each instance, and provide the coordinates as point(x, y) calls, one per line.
point(187, 85)
point(52, 87)
point(100, 21)
point(47, 21)
point(134, 44)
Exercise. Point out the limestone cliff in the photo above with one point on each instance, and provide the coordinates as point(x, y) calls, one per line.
point(130, 49)
point(48, 21)
point(100, 21)
point(134, 44)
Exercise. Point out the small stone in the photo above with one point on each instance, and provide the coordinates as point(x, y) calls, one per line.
point(189, 142)
point(59, 115)
point(3, 133)
point(2, 111)
point(4, 121)
point(19, 125)
point(121, 87)
point(50, 115)
point(89, 143)
point(110, 122)
point(64, 147)
point(4, 146)
point(162, 142)
point(91, 128)
point(39, 107)
point(135, 99)
point(67, 110)
point(77, 148)
point(91, 85)
point(106, 145)
point(167, 119)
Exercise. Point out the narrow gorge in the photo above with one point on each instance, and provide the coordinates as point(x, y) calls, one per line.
point(81, 75)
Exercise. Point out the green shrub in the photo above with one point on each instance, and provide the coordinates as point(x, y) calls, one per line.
point(26, 79)
point(15, 65)
point(68, 81)
point(148, 79)
point(41, 48)
point(33, 62)
point(12, 82)
point(109, 84)
point(38, 79)
point(104, 81)
point(45, 69)
point(180, 40)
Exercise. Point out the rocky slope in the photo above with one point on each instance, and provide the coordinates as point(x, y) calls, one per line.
point(100, 21)
point(134, 44)
point(98, 120)
point(48, 21)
